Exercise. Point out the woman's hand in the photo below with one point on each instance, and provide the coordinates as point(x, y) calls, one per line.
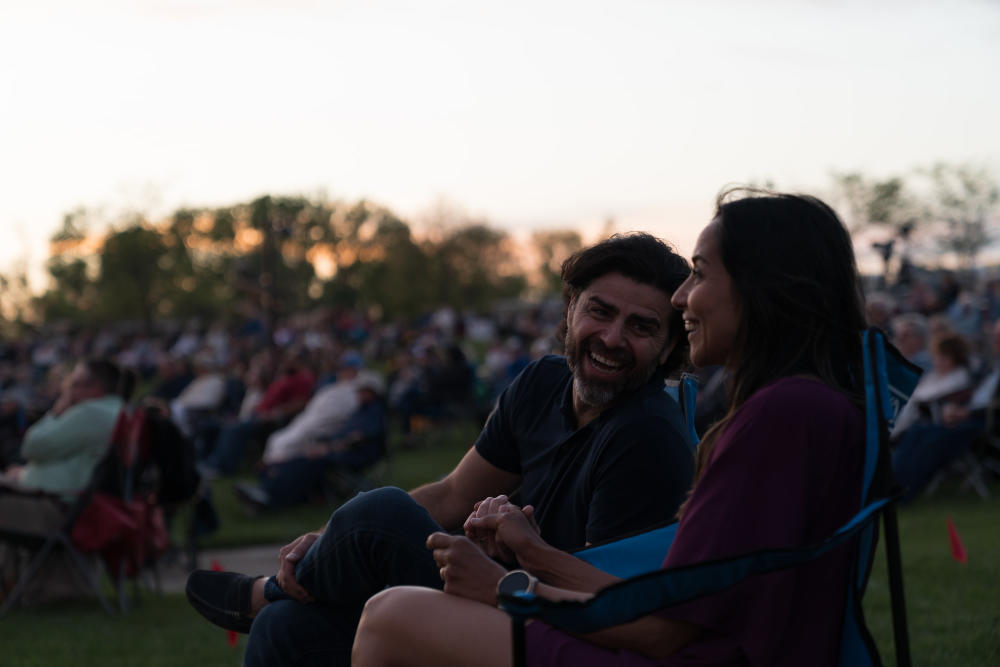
point(465, 568)
point(481, 526)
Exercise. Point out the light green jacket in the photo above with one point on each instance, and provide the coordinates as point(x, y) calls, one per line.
point(62, 451)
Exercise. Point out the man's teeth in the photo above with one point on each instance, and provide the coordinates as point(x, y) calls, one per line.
point(604, 361)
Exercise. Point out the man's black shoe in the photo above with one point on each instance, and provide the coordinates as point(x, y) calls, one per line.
point(222, 597)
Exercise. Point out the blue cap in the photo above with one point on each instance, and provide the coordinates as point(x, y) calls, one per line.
point(351, 359)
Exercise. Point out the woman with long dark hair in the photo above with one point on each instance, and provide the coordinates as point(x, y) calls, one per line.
point(773, 297)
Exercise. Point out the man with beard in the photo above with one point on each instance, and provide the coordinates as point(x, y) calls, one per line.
point(596, 447)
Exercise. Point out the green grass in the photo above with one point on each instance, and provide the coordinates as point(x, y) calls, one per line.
point(162, 632)
point(953, 608)
point(435, 454)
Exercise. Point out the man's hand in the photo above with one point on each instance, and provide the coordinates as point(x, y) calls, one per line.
point(511, 529)
point(465, 569)
point(65, 401)
point(288, 556)
point(12, 474)
point(315, 450)
point(485, 537)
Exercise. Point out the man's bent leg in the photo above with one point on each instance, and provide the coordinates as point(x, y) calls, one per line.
point(375, 540)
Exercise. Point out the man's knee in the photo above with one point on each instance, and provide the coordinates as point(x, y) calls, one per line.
point(387, 503)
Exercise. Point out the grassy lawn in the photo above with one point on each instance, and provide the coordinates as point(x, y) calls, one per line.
point(953, 608)
point(954, 615)
point(436, 453)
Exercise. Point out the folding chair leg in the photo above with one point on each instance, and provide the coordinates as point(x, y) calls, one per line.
point(901, 636)
point(22, 582)
point(35, 565)
point(123, 600)
point(89, 577)
point(972, 471)
point(517, 644)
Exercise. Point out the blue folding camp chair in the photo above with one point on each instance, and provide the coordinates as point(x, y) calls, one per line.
point(889, 381)
point(685, 393)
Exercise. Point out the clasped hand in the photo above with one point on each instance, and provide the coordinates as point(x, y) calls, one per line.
point(500, 527)
point(465, 568)
point(495, 529)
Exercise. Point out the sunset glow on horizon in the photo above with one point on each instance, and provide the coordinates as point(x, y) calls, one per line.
point(531, 115)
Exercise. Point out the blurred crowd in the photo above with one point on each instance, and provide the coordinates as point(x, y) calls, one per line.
point(229, 388)
point(315, 385)
point(950, 328)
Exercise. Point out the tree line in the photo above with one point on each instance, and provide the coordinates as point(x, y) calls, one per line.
point(278, 255)
point(275, 256)
point(945, 209)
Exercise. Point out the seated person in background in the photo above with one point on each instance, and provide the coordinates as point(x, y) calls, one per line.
point(909, 335)
point(173, 376)
point(60, 452)
point(949, 380)
point(589, 438)
point(201, 396)
point(927, 446)
point(62, 448)
point(356, 442)
point(13, 419)
point(775, 298)
point(879, 310)
point(440, 387)
point(285, 397)
point(324, 412)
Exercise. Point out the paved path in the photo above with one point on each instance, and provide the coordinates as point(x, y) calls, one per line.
point(256, 560)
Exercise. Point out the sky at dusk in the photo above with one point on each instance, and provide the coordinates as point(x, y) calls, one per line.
point(531, 114)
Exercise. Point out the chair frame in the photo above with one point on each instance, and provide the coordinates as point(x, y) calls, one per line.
point(884, 397)
point(60, 538)
point(119, 472)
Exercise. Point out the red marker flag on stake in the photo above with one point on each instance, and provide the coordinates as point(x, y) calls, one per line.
point(957, 548)
point(230, 634)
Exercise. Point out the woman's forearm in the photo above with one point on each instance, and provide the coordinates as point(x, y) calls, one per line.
point(651, 636)
point(561, 569)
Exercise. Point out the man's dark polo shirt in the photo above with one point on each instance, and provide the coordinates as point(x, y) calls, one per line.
point(625, 471)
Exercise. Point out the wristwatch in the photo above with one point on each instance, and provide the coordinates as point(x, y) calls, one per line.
point(516, 581)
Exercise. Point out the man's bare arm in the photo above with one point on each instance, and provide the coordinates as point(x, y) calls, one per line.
point(450, 500)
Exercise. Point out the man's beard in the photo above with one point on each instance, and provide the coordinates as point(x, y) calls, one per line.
point(599, 393)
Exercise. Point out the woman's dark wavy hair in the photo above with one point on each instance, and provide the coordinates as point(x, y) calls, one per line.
point(643, 258)
point(796, 281)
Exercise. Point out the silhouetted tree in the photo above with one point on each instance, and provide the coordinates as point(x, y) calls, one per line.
point(965, 200)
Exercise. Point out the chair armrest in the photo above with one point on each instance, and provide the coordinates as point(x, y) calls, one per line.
point(633, 598)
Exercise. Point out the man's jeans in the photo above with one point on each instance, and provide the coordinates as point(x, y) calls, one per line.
point(373, 541)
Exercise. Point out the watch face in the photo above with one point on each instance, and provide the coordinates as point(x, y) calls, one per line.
point(513, 582)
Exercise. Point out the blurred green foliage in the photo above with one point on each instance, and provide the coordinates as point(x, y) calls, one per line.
point(279, 255)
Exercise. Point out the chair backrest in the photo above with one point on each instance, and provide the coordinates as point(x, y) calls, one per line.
point(685, 393)
point(889, 380)
point(122, 519)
